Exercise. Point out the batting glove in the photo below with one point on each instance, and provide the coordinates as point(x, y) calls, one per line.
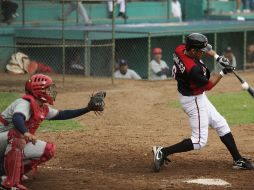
point(228, 69)
point(223, 61)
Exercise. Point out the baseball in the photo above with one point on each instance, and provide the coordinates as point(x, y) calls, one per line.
point(245, 86)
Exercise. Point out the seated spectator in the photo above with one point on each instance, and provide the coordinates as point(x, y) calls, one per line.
point(124, 72)
point(176, 9)
point(122, 9)
point(9, 9)
point(159, 70)
point(77, 64)
point(81, 10)
point(250, 57)
point(230, 55)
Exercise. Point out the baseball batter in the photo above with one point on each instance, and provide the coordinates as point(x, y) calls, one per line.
point(20, 150)
point(193, 79)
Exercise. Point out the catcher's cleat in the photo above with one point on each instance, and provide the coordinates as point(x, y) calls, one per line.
point(18, 187)
point(158, 158)
point(243, 164)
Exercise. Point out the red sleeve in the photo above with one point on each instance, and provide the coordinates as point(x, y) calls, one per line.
point(208, 86)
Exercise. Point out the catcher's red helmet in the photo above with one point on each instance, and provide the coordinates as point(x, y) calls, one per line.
point(157, 50)
point(42, 87)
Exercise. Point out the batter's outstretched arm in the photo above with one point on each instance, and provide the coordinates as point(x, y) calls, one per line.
point(215, 78)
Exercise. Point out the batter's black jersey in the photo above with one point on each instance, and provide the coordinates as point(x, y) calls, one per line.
point(192, 75)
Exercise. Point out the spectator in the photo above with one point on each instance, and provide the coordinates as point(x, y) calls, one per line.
point(176, 9)
point(122, 9)
point(230, 55)
point(124, 72)
point(238, 6)
point(77, 64)
point(9, 9)
point(247, 5)
point(76, 5)
point(250, 57)
point(159, 70)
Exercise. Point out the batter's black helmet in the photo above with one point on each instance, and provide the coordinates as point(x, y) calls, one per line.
point(197, 41)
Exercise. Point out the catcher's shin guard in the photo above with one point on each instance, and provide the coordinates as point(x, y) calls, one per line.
point(49, 153)
point(13, 167)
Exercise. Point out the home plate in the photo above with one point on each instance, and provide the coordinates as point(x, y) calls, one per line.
point(204, 181)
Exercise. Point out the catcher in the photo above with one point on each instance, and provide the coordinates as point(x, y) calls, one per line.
point(20, 150)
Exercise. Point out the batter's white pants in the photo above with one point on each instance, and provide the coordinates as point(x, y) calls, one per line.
point(201, 114)
point(122, 5)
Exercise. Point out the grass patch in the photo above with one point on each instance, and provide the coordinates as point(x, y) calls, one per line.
point(6, 98)
point(237, 108)
point(60, 125)
point(175, 104)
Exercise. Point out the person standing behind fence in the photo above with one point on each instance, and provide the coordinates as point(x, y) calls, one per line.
point(238, 6)
point(76, 5)
point(122, 9)
point(124, 72)
point(248, 5)
point(9, 9)
point(176, 9)
point(159, 70)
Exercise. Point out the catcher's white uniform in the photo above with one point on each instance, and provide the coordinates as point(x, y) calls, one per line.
point(21, 106)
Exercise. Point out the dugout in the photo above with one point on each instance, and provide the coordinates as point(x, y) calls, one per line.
point(57, 44)
point(133, 43)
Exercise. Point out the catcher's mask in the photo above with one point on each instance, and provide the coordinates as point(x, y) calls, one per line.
point(42, 87)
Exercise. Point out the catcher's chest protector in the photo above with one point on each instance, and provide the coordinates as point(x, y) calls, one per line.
point(39, 113)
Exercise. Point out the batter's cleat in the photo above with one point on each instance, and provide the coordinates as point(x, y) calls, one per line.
point(158, 158)
point(243, 164)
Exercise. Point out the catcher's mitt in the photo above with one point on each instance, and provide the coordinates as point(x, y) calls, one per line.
point(96, 102)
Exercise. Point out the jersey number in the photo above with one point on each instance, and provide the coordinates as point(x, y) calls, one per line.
point(174, 69)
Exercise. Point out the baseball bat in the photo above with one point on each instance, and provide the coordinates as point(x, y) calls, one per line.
point(245, 85)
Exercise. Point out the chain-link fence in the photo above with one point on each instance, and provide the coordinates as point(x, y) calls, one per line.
point(67, 44)
point(65, 48)
point(138, 51)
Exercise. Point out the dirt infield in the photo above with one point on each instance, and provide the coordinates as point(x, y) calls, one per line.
point(114, 150)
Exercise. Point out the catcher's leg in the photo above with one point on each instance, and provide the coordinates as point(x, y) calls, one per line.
point(3, 145)
point(37, 154)
point(13, 163)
